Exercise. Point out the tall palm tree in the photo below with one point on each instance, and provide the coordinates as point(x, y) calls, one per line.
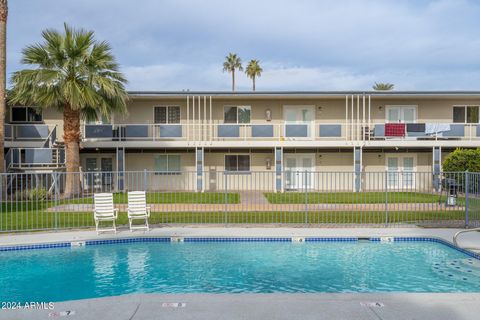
point(76, 75)
point(232, 63)
point(3, 76)
point(253, 70)
point(383, 86)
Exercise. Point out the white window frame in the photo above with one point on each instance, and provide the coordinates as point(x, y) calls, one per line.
point(466, 115)
point(401, 106)
point(400, 157)
point(168, 106)
point(237, 106)
point(237, 171)
point(26, 108)
point(168, 172)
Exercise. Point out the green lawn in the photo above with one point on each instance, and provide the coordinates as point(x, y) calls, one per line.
point(353, 197)
point(168, 197)
point(29, 220)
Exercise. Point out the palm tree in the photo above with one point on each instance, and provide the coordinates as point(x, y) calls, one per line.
point(253, 70)
point(76, 75)
point(3, 76)
point(232, 63)
point(383, 86)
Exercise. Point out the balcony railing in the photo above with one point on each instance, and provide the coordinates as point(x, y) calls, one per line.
point(25, 158)
point(213, 132)
point(29, 132)
point(279, 131)
point(418, 131)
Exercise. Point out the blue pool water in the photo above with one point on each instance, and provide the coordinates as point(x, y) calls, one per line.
point(234, 267)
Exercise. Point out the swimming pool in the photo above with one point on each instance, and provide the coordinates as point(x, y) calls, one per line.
point(153, 265)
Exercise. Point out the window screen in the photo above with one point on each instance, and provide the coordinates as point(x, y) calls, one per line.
point(459, 114)
point(26, 114)
point(237, 163)
point(237, 114)
point(167, 114)
point(167, 163)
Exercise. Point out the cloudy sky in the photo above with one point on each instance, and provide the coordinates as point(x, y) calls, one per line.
point(302, 44)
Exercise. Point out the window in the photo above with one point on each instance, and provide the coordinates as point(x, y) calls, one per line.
point(166, 114)
point(26, 114)
point(237, 163)
point(466, 114)
point(236, 114)
point(167, 163)
point(401, 114)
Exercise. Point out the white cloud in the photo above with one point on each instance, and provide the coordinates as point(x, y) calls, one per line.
point(278, 77)
point(306, 44)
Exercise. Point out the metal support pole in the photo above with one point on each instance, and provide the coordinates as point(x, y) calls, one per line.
point(188, 118)
point(346, 117)
point(467, 194)
point(225, 200)
point(55, 178)
point(386, 197)
point(305, 182)
point(145, 180)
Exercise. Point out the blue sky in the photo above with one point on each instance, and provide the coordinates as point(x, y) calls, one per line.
point(302, 45)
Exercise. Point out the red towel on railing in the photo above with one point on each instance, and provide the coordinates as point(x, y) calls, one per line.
point(394, 129)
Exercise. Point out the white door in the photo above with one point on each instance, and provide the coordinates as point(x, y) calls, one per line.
point(401, 172)
point(401, 114)
point(300, 115)
point(299, 171)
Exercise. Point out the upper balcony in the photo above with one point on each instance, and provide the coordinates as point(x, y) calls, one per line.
point(314, 133)
point(30, 135)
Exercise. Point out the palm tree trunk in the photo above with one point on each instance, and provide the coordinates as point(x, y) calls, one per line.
point(253, 79)
point(71, 137)
point(3, 62)
point(233, 80)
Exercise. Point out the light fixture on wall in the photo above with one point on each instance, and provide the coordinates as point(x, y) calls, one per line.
point(268, 163)
point(380, 108)
point(320, 109)
point(268, 115)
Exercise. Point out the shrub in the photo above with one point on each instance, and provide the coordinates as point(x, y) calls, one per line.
point(462, 160)
point(36, 194)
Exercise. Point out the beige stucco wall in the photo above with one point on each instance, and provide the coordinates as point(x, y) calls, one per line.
point(333, 171)
point(328, 110)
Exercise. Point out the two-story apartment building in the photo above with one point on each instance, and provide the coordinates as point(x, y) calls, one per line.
point(187, 138)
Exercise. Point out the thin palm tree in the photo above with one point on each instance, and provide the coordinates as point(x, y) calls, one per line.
point(383, 86)
point(3, 76)
point(232, 63)
point(253, 70)
point(76, 75)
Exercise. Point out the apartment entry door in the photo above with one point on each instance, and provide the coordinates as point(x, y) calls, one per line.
point(99, 172)
point(401, 114)
point(299, 171)
point(300, 115)
point(401, 172)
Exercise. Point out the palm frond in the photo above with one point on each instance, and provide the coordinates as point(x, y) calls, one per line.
point(70, 69)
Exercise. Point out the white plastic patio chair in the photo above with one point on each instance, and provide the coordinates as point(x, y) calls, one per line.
point(104, 211)
point(137, 209)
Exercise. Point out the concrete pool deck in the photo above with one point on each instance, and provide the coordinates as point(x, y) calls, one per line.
point(358, 306)
point(449, 306)
point(467, 240)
